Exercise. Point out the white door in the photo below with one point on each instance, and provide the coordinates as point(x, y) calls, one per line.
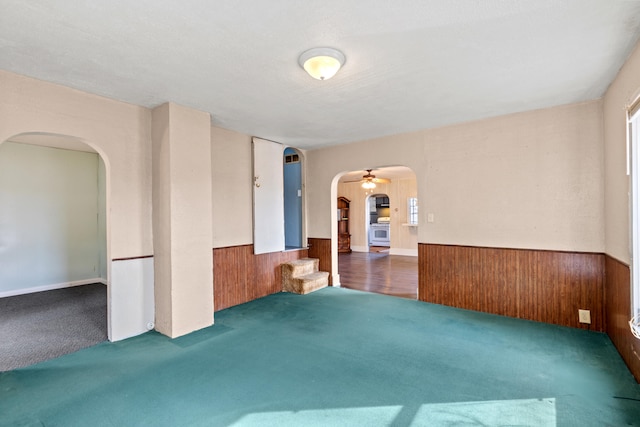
point(268, 197)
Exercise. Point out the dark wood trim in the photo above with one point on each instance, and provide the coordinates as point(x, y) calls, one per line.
point(618, 313)
point(240, 276)
point(249, 245)
point(133, 257)
point(545, 286)
point(321, 248)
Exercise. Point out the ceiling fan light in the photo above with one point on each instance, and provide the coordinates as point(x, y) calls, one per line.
point(368, 185)
point(322, 63)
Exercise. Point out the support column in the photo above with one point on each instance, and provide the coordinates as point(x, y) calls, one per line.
point(182, 211)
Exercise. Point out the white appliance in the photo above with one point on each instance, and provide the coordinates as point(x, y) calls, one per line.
point(379, 232)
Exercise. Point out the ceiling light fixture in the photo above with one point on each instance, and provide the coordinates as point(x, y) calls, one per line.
point(322, 63)
point(368, 185)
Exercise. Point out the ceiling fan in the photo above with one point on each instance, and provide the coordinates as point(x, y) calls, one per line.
point(369, 180)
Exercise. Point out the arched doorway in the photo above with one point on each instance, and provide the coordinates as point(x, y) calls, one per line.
point(392, 267)
point(53, 201)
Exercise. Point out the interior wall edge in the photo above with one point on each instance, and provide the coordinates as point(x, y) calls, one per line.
point(321, 248)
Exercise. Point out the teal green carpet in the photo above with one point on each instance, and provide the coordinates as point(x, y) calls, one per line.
point(334, 358)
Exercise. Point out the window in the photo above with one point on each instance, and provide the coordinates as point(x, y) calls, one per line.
point(412, 211)
point(291, 158)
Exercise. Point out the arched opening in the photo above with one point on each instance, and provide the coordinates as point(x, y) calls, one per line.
point(54, 249)
point(293, 199)
point(383, 255)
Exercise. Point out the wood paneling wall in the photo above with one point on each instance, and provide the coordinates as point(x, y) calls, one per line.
point(618, 313)
point(239, 276)
point(545, 286)
point(321, 249)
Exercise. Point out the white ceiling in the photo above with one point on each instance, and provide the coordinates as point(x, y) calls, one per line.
point(411, 64)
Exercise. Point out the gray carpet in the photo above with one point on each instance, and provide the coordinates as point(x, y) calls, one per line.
point(44, 325)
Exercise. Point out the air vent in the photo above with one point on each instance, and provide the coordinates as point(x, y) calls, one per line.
point(291, 158)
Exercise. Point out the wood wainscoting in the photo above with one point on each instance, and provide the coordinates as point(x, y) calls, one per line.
point(618, 312)
point(239, 276)
point(540, 285)
point(321, 249)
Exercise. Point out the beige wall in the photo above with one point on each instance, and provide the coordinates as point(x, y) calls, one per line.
point(232, 188)
point(120, 132)
point(624, 89)
point(528, 180)
point(404, 240)
point(182, 219)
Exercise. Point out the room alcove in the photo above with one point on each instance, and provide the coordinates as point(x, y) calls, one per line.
point(54, 206)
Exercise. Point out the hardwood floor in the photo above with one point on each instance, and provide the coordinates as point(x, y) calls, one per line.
point(379, 272)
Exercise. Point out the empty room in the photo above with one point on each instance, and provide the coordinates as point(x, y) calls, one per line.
point(244, 213)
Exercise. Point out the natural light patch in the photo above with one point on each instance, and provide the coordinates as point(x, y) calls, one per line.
point(525, 412)
point(374, 416)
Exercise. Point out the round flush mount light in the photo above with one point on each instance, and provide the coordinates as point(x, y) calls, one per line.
point(322, 63)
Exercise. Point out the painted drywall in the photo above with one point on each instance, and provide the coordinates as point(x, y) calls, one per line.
point(121, 134)
point(182, 225)
point(528, 180)
point(134, 309)
point(404, 240)
point(49, 207)
point(231, 182)
point(622, 92)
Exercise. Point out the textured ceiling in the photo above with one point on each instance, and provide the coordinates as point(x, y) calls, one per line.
point(411, 64)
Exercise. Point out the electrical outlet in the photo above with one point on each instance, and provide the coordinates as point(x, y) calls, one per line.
point(584, 316)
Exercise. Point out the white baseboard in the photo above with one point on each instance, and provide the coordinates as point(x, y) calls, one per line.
point(360, 248)
point(23, 291)
point(403, 252)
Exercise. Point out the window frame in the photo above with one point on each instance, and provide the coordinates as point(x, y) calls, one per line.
point(633, 170)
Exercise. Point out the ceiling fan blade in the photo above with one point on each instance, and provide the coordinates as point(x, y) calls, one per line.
point(381, 180)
